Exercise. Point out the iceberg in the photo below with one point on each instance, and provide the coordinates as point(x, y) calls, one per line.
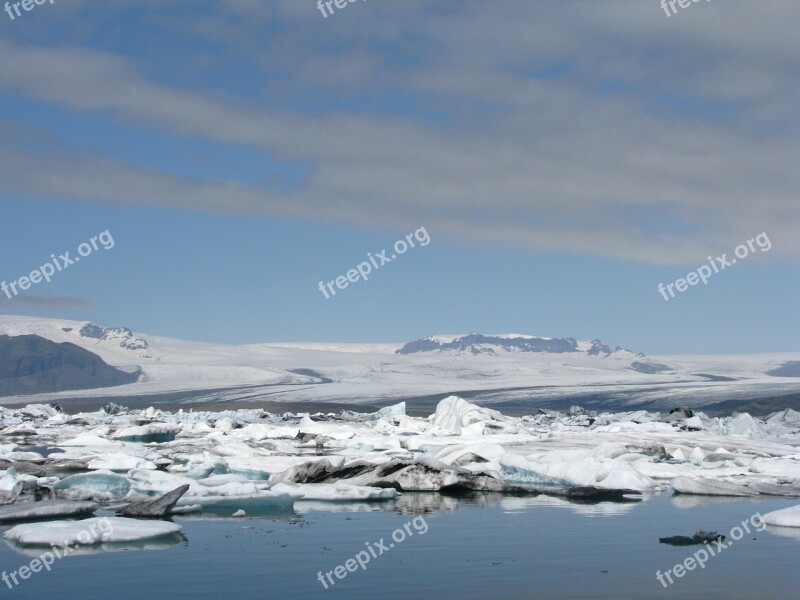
point(117, 461)
point(787, 517)
point(589, 471)
point(709, 487)
point(453, 414)
point(99, 485)
point(47, 509)
point(90, 531)
point(10, 485)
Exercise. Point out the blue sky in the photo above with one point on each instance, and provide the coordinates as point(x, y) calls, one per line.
point(564, 157)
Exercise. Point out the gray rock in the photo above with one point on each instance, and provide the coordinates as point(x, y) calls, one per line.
point(154, 508)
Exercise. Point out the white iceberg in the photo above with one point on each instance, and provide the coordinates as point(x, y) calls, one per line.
point(588, 471)
point(89, 531)
point(453, 414)
point(118, 461)
point(10, 485)
point(787, 517)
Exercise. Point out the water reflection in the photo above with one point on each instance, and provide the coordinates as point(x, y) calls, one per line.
point(686, 501)
point(787, 532)
point(513, 505)
point(161, 543)
point(433, 502)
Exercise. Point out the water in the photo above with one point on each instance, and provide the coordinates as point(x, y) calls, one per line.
point(482, 548)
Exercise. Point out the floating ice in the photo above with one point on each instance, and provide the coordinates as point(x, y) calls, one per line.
point(787, 517)
point(709, 487)
point(454, 414)
point(588, 471)
point(89, 531)
point(117, 461)
point(99, 485)
point(10, 485)
point(231, 459)
point(28, 511)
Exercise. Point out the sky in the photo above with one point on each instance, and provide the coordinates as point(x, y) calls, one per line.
point(563, 158)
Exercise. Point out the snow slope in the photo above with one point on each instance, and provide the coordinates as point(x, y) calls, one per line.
point(374, 373)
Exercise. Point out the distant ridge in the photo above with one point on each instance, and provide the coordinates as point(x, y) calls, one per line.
point(31, 364)
point(478, 343)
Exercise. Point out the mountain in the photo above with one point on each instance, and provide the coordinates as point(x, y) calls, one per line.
point(478, 343)
point(505, 370)
point(31, 364)
point(121, 335)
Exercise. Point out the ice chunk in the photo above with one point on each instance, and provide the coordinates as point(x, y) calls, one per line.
point(589, 471)
point(149, 482)
point(100, 485)
point(26, 511)
point(697, 456)
point(462, 454)
point(10, 485)
point(263, 502)
point(744, 424)
point(709, 487)
point(87, 440)
point(454, 413)
point(261, 467)
point(694, 423)
point(226, 424)
point(395, 410)
point(90, 531)
point(154, 432)
point(117, 461)
point(312, 470)
point(787, 517)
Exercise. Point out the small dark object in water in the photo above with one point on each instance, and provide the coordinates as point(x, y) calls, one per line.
point(701, 537)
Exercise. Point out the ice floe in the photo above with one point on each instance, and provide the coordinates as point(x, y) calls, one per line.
point(264, 463)
point(89, 531)
point(787, 517)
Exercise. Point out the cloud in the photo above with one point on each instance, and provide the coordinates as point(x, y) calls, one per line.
point(604, 129)
point(47, 302)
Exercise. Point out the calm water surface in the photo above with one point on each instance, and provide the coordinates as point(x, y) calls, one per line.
point(485, 548)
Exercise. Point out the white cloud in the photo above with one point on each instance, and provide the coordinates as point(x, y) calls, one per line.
point(561, 125)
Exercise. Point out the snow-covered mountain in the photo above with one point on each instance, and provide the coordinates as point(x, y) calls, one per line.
point(478, 343)
point(520, 370)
